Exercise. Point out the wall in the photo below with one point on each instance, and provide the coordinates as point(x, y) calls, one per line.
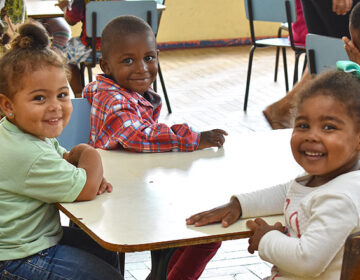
point(188, 20)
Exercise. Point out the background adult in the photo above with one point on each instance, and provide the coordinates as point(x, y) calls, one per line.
point(323, 17)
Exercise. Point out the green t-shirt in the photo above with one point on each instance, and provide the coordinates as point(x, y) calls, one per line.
point(33, 176)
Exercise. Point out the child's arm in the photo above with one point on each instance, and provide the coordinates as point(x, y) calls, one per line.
point(86, 157)
point(333, 218)
point(72, 16)
point(264, 202)
point(212, 138)
point(227, 214)
point(351, 50)
point(259, 228)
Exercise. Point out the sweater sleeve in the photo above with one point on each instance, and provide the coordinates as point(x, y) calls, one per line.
point(332, 219)
point(265, 202)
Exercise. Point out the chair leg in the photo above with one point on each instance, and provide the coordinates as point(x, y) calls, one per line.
point(164, 89)
point(276, 63)
point(82, 74)
point(90, 75)
point(122, 263)
point(297, 56)
point(251, 54)
point(285, 70)
point(305, 63)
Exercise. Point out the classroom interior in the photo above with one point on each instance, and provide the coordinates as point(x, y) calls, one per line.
point(206, 87)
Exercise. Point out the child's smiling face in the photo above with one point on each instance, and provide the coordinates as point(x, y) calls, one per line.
point(42, 106)
point(325, 139)
point(133, 62)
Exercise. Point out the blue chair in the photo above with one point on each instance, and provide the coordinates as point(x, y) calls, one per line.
point(272, 11)
point(78, 129)
point(100, 13)
point(323, 52)
point(76, 132)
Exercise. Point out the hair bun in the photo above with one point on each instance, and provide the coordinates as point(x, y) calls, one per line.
point(32, 35)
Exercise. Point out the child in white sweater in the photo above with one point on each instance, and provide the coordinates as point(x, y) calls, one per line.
point(321, 208)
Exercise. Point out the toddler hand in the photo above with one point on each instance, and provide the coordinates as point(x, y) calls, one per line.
point(259, 228)
point(104, 186)
point(351, 50)
point(63, 4)
point(212, 138)
point(227, 214)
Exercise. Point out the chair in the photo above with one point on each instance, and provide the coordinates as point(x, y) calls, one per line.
point(351, 261)
point(100, 13)
point(283, 27)
point(323, 52)
point(271, 11)
point(77, 131)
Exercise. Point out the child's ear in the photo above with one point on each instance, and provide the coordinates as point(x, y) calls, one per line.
point(6, 106)
point(104, 66)
point(358, 140)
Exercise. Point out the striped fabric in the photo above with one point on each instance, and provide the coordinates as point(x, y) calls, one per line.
point(122, 118)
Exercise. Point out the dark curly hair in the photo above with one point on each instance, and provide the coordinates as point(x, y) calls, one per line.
point(343, 87)
point(29, 51)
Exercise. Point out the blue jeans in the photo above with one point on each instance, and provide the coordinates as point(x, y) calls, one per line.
point(76, 257)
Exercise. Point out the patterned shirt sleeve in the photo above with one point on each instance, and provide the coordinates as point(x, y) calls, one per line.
point(134, 128)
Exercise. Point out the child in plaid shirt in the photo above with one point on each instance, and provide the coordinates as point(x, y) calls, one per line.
point(125, 111)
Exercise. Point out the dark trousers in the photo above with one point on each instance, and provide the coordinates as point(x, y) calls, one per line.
point(320, 19)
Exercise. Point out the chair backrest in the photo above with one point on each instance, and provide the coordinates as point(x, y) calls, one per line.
point(104, 11)
point(269, 10)
point(272, 11)
point(323, 52)
point(78, 129)
point(351, 261)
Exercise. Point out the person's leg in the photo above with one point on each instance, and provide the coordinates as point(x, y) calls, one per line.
point(60, 262)
point(320, 19)
point(189, 262)
point(75, 237)
point(59, 30)
point(279, 114)
point(75, 81)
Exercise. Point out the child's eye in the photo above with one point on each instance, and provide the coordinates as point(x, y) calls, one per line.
point(302, 125)
point(63, 94)
point(149, 58)
point(329, 127)
point(39, 98)
point(128, 60)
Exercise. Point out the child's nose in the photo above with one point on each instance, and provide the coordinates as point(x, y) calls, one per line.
point(313, 135)
point(141, 66)
point(54, 105)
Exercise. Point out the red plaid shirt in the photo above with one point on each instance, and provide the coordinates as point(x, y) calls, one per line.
point(126, 118)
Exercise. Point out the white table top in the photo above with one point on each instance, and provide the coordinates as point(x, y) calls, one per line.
point(154, 193)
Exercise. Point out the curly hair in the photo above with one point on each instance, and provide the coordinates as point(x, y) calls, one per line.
point(29, 51)
point(343, 87)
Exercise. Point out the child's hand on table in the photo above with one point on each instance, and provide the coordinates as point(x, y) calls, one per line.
point(227, 214)
point(212, 138)
point(259, 228)
point(104, 186)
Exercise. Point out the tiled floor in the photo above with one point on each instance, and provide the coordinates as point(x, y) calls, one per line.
point(206, 89)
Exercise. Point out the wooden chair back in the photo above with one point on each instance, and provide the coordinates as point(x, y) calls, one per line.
point(351, 261)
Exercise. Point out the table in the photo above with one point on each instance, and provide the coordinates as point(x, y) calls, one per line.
point(46, 9)
point(154, 193)
point(43, 9)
